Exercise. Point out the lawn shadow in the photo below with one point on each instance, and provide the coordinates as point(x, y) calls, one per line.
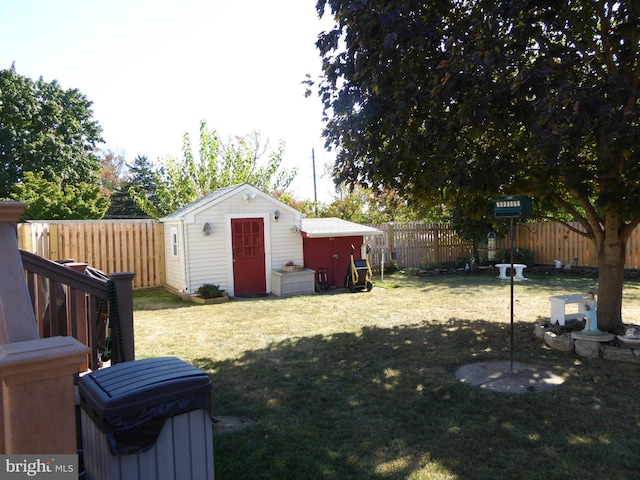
point(553, 283)
point(384, 403)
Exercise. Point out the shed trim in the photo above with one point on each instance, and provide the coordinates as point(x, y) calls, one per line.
point(335, 227)
point(188, 213)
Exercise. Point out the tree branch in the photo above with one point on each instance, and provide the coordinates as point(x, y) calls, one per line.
point(566, 224)
point(569, 208)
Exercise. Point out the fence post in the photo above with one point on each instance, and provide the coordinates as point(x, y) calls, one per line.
point(53, 242)
point(159, 249)
point(122, 339)
point(24, 237)
point(393, 255)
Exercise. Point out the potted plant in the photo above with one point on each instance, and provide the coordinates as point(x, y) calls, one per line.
point(210, 293)
point(290, 266)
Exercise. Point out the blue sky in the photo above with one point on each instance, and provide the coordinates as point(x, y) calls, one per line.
point(155, 68)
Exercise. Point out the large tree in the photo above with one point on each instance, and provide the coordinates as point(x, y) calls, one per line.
point(45, 129)
point(451, 100)
point(180, 181)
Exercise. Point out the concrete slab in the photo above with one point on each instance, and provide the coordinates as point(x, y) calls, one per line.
point(498, 377)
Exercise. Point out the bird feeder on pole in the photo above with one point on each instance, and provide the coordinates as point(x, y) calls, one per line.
point(511, 208)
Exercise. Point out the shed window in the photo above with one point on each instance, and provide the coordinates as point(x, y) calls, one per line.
point(174, 242)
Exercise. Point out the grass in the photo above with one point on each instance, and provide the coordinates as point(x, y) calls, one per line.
point(362, 386)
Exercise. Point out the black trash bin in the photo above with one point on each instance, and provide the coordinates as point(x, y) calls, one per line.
point(147, 419)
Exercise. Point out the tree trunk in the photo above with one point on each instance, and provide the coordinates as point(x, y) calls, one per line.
point(611, 257)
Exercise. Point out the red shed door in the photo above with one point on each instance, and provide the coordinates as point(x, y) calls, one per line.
point(249, 275)
point(332, 254)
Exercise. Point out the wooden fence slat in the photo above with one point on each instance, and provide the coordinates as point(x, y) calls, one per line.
point(125, 240)
point(138, 259)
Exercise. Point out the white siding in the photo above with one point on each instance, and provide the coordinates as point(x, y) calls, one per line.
point(211, 258)
point(208, 259)
point(285, 244)
point(207, 254)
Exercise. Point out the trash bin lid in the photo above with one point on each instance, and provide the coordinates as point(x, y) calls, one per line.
point(128, 387)
point(131, 401)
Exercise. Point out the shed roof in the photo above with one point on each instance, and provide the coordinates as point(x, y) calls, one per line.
point(219, 195)
point(335, 227)
point(201, 202)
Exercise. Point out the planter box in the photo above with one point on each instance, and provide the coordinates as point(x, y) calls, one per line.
point(293, 283)
point(207, 301)
point(292, 268)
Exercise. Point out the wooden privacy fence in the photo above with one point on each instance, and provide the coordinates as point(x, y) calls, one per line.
point(110, 246)
point(418, 244)
point(550, 241)
point(138, 246)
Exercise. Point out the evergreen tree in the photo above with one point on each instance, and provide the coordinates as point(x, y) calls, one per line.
point(140, 174)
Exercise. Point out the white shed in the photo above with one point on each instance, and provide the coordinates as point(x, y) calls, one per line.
point(235, 237)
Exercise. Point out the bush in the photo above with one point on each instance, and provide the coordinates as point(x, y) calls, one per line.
point(463, 261)
point(390, 268)
point(209, 290)
point(520, 255)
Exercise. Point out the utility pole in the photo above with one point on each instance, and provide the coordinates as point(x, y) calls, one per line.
point(315, 191)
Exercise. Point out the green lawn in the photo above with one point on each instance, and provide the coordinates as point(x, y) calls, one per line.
point(362, 386)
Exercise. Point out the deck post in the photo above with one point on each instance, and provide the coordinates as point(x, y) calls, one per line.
point(37, 405)
point(122, 340)
point(17, 320)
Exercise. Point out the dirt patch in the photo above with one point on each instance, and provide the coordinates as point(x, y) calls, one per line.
point(229, 424)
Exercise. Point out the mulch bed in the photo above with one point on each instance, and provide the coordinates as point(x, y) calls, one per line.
point(581, 271)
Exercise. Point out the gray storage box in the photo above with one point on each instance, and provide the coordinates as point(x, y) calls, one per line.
point(147, 419)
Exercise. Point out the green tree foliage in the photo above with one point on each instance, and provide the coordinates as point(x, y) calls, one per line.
point(458, 102)
point(239, 160)
point(139, 174)
point(350, 205)
point(362, 205)
point(45, 129)
point(306, 207)
point(49, 200)
point(386, 206)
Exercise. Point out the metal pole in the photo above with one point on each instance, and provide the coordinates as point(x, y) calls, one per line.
point(315, 191)
point(511, 234)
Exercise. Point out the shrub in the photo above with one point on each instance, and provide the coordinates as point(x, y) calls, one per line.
point(520, 255)
point(461, 262)
point(209, 290)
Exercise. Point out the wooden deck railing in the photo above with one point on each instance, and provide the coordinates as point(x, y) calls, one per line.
point(68, 302)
